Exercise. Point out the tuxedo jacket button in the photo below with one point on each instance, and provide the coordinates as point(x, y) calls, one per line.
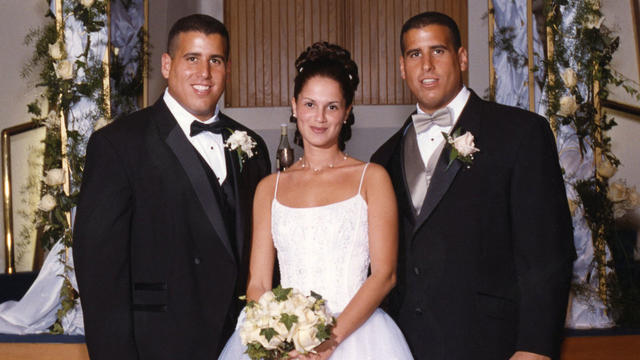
point(416, 270)
point(418, 311)
point(196, 260)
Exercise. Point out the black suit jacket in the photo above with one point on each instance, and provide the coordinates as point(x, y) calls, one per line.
point(484, 270)
point(157, 275)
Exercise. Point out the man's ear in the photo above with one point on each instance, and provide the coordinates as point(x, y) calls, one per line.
point(166, 65)
point(463, 59)
point(402, 73)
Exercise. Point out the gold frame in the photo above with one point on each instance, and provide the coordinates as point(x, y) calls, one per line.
point(10, 266)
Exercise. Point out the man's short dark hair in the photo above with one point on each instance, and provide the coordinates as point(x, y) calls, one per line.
point(200, 23)
point(431, 18)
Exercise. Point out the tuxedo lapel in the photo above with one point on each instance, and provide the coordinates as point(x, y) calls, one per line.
point(444, 173)
point(175, 138)
point(239, 185)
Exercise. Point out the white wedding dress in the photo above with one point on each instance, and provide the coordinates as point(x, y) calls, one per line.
point(326, 249)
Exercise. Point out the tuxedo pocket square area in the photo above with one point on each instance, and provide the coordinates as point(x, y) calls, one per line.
point(150, 297)
point(496, 307)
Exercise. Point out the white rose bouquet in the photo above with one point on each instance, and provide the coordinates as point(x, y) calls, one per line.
point(283, 320)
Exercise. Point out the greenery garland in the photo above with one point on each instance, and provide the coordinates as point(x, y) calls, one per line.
point(62, 89)
point(592, 54)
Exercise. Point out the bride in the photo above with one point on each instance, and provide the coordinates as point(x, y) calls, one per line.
point(330, 219)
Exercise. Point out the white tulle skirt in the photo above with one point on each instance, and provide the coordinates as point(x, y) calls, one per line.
point(378, 338)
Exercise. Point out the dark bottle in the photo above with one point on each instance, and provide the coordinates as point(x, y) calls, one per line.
point(284, 155)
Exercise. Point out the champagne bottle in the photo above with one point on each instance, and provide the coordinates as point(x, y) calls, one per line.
point(284, 155)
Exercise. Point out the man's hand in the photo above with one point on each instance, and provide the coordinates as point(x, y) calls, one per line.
point(523, 355)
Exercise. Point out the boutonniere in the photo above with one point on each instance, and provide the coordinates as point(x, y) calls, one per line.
point(462, 147)
point(243, 145)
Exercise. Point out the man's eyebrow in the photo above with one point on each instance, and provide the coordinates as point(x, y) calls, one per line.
point(412, 50)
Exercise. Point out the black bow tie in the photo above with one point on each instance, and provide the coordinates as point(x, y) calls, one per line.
point(197, 127)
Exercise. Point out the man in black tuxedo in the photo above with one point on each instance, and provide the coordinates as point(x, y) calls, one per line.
point(486, 243)
point(162, 229)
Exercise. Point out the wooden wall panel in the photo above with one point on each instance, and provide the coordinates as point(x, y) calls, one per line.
point(268, 35)
point(376, 25)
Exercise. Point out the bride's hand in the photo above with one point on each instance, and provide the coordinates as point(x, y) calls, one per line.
point(323, 351)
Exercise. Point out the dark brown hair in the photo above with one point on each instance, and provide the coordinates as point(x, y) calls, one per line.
point(431, 18)
point(200, 23)
point(334, 62)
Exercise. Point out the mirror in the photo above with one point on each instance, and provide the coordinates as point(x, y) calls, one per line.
point(22, 170)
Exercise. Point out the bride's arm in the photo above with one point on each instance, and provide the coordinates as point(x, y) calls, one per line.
point(383, 249)
point(262, 250)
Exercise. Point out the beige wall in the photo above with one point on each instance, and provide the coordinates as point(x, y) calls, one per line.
point(625, 136)
point(16, 18)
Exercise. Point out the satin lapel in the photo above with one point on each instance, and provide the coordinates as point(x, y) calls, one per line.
point(407, 202)
point(188, 158)
point(444, 174)
point(240, 196)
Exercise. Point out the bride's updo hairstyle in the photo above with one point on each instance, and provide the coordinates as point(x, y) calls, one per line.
point(333, 62)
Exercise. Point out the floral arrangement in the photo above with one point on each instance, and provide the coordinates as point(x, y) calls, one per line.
point(66, 83)
point(601, 200)
point(283, 320)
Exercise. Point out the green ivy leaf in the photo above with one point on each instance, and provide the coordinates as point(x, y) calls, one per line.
point(268, 333)
point(288, 320)
point(281, 294)
point(324, 332)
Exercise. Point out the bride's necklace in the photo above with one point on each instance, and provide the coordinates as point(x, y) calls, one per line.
point(316, 170)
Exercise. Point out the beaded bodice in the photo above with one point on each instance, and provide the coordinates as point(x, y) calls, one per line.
point(323, 248)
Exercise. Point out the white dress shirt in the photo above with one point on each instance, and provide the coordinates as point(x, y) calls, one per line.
point(430, 140)
point(209, 145)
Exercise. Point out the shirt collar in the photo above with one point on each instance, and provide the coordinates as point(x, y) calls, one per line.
point(184, 117)
point(456, 105)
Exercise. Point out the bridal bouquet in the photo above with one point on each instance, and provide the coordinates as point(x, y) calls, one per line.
point(283, 320)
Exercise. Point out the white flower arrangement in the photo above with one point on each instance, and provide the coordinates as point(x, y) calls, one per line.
point(568, 106)
point(56, 50)
point(54, 177)
point(87, 3)
point(462, 147)
point(623, 197)
point(283, 320)
point(569, 78)
point(64, 69)
point(242, 143)
point(47, 203)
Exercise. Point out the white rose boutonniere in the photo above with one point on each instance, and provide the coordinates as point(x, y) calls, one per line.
point(54, 177)
point(243, 144)
point(64, 70)
point(47, 203)
point(462, 147)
